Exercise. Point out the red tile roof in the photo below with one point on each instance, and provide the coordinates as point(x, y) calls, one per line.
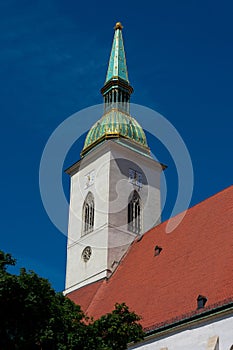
point(196, 259)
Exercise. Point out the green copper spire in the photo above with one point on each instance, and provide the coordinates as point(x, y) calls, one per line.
point(116, 122)
point(117, 63)
point(116, 88)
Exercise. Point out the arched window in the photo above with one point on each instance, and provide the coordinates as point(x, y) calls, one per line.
point(88, 213)
point(134, 213)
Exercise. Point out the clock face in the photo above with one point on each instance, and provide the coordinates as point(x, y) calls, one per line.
point(135, 178)
point(89, 179)
point(86, 254)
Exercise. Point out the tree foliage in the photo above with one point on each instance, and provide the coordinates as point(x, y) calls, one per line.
point(35, 317)
point(114, 330)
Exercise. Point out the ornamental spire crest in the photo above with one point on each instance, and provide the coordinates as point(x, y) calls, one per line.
point(117, 90)
point(117, 67)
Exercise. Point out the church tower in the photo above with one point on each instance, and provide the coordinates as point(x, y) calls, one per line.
point(115, 186)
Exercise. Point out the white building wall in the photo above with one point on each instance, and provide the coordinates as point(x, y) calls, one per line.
point(195, 337)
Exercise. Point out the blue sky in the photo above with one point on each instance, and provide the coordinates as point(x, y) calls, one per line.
point(53, 62)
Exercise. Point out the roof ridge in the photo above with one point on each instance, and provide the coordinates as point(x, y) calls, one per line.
point(191, 208)
point(210, 197)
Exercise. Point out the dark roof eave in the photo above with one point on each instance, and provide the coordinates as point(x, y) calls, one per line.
point(191, 317)
point(182, 321)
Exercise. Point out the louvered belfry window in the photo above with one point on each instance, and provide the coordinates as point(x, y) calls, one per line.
point(88, 213)
point(134, 213)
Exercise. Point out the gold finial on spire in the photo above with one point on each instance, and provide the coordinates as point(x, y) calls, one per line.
point(118, 26)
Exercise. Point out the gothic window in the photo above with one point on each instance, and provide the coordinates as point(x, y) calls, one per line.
point(88, 213)
point(134, 213)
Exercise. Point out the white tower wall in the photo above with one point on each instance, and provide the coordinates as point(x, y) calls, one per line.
point(105, 173)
